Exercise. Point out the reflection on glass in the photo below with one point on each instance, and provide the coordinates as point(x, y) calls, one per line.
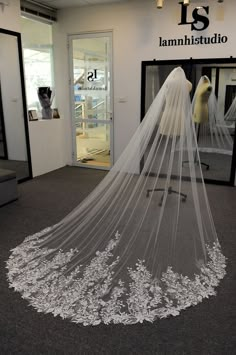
point(93, 144)
point(12, 115)
point(230, 106)
point(38, 59)
point(216, 136)
point(92, 107)
point(92, 100)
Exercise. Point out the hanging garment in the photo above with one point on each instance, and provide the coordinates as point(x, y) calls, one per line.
point(143, 244)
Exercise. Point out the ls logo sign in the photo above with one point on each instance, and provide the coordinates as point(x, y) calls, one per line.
point(92, 75)
point(197, 18)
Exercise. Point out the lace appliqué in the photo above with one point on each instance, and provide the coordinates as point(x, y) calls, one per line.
point(88, 296)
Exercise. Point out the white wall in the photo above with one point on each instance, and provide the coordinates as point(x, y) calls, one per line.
point(10, 16)
point(136, 27)
point(47, 141)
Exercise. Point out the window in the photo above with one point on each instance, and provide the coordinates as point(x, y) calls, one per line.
point(38, 59)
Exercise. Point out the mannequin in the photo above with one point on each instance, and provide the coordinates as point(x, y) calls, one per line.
point(200, 108)
point(203, 92)
point(171, 128)
point(212, 134)
point(167, 126)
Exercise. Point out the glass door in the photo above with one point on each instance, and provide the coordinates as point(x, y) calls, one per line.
point(91, 99)
point(3, 143)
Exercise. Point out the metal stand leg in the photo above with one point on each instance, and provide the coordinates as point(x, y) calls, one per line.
point(196, 162)
point(169, 191)
point(195, 157)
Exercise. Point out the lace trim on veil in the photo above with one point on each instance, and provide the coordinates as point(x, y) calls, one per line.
point(87, 297)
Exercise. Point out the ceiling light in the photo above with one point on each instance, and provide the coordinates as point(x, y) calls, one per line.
point(160, 4)
point(186, 2)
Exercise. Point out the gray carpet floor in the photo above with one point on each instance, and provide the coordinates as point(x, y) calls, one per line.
point(207, 329)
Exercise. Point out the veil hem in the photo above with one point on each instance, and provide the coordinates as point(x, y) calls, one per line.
point(87, 298)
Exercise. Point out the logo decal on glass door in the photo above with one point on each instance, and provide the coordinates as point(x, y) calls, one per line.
point(92, 75)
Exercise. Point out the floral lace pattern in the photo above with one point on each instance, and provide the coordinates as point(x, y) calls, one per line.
point(87, 296)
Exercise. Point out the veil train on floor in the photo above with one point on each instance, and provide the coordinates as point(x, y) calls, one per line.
point(143, 244)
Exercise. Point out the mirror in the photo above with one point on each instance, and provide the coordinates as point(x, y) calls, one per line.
point(14, 137)
point(215, 137)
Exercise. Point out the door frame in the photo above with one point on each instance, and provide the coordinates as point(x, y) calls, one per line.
point(70, 38)
point(2, 123)
point(17, 35)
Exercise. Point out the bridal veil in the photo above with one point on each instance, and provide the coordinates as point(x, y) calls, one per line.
point(143, 244)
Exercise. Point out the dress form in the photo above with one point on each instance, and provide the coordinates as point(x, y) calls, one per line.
point(168, 126)
point(203, 92)
point(171, 128)
point(200, 110)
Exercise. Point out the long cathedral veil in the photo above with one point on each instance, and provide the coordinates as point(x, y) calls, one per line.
point(230, 117)
point(231, 112)
point(143, 244)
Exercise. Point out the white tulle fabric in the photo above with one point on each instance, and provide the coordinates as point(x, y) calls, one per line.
point(213, 136)
point(230, 117)
point(143, 244)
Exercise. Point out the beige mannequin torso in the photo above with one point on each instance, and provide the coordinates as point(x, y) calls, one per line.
point(172, 120)
point(200, 112)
